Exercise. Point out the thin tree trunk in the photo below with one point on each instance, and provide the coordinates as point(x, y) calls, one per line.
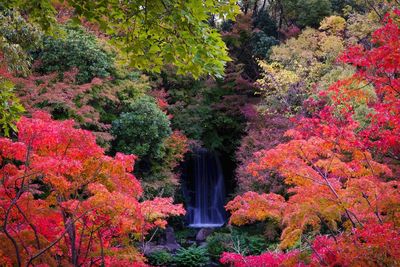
point(255, 9)
point(263, 5)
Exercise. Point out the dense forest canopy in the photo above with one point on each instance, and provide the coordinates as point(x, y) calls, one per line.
point(111, 111)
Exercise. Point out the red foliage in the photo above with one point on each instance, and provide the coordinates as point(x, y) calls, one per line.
point(65, 13)
point(63, 202)
point(263, 132)
point(375, 243)
point(177, 145)
point(380, 66)
point(161, 97)
point(290, 31)
point(47, 92)
point(332, 165)
point(273, 259)
point(157, 210)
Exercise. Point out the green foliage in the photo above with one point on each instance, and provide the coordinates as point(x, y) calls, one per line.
point(161, 179)
point(335, 74)
point(311, 54)
point(333, 25)
point(160, 258)
point(41, 12)
point(262, 44)
point(10, 108)
point(308, 12)
point(206, 111)
point(248, 244)
point(156, 179)
point(217, 243)
point(192, 257)
point(114, 97)
point(153, 33)
point(191, 117)
point(216, 129)
point(247, 240)
point(185, 234)
point(255, 244)
point(264, 35)
point(278, 88)
point(311, 12)
point(266, 24)
point(16, 37)
point(141, 130)
point(76, 49)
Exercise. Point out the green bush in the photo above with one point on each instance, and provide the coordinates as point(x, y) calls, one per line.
point(116, 96)
point(17, 37)
point(266, 24)
point(308, 12)
point(249, 244)
point(262, 44)
point(160, 258)
point(218, 243)
point(10, 108)
point(182, 236)
point(206, 112)
point(142, 130)
point(256, 244)
point(77, 49)
point(191, 257)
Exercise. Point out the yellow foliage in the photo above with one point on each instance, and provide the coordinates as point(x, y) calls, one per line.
point(333, 25)
point(276, 78)
point(290, 237)
point(298, 65)
point(360, 26)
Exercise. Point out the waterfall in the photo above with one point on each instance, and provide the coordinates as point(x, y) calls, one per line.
point(206, 190)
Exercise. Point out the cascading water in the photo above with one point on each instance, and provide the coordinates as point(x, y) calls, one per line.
point(205, 190)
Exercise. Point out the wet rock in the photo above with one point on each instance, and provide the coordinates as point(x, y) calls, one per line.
point(203, 234)
point(170, 236)
point(150, 247)
point(170, 241)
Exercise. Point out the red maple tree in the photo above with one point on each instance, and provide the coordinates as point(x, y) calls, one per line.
point(64, 202)
point(334, 167)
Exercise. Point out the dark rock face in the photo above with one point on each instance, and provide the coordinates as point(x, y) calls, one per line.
point(170, 236)
point(203, 234)
point(169, 243)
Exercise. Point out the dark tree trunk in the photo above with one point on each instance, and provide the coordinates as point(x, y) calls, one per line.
point(255, 9)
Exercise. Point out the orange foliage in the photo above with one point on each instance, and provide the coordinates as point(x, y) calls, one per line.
point(331, 164)
point(251, 207)
point(63, 202)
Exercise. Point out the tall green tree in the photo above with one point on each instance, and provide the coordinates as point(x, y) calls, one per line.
point(16, 37)
point(150, 33)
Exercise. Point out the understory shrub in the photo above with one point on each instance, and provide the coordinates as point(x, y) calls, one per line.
point(160, 258)
point(217, 243)
point(142, 130)
point(248, 244)
point(192, 257)
point(77, 49)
